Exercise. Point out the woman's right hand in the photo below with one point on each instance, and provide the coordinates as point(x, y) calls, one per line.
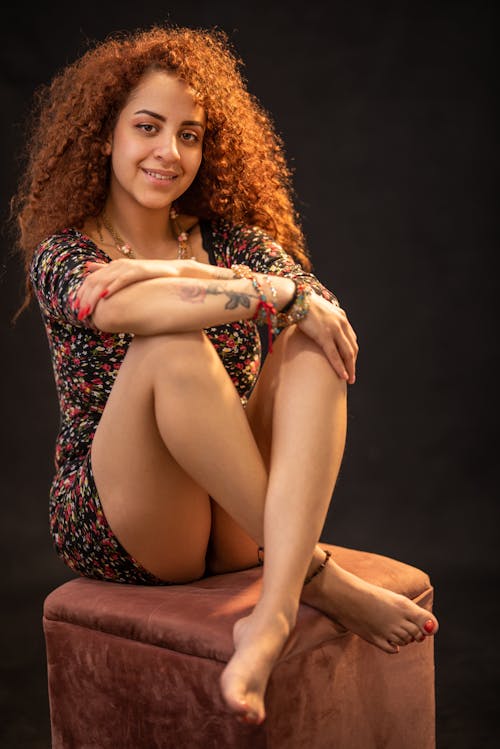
point(105, 279)
point(329, 327)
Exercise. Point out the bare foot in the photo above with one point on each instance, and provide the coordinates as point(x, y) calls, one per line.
point(378, 615)
point(258, 640)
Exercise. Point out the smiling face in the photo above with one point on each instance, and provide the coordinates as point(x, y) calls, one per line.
point(156, 146)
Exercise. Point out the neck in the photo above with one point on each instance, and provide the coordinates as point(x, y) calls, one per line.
point(144, 228)
point(172, 241)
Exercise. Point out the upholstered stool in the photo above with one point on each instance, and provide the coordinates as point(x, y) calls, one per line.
point(137, 667)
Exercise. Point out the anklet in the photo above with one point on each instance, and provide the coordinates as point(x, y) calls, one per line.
point(321, 567)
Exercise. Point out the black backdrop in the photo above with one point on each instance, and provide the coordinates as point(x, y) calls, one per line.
point(387, 113)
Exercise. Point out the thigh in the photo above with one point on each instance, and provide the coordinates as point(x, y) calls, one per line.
point(155, 509)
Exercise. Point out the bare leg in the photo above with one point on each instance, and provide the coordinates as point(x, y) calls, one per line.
point(172, 433)
point(298, 415)
point(157, 460)
point(304, 448)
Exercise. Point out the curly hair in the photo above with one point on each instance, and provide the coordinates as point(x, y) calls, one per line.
point(243, 177)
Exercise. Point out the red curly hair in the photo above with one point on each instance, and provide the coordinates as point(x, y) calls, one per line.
point(243, 177)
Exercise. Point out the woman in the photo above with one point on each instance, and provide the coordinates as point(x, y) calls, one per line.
point(157, 227)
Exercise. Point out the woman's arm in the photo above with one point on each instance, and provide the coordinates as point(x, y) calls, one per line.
point(252, 246)
point(326, 322)
point(168, 305)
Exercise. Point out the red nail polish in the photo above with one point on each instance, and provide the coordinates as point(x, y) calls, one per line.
point(83, 313)
point(429, 626)
point(104, 293)
point(75, 305)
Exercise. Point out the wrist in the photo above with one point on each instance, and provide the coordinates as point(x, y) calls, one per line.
point(285, 291)
point(297, 308)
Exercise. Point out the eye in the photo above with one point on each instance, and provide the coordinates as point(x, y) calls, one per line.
point(147, 128)
point(189, 137)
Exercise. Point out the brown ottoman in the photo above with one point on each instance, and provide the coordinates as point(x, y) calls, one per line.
point(137, 667)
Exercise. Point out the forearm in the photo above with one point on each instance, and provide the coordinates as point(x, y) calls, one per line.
point(170, 305)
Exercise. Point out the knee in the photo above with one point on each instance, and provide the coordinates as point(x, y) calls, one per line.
point(299, 347)
point(180, 355)
point(294, 343)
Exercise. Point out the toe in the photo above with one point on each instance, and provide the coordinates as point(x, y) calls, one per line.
point(401, 636)
point(388, 646)
point(429, 625)
point(247, 714)
point(414, 631)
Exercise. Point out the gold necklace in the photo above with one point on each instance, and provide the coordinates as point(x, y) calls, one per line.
point(183, 246)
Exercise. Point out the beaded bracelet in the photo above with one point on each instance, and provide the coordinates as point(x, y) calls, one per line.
point(299, 306)
point(266, 313)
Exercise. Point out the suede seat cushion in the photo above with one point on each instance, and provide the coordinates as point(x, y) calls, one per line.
point(197, 618)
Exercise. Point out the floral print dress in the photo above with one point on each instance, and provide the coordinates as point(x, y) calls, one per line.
point(85, 364)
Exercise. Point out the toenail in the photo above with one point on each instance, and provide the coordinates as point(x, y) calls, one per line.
point(250, 720)
point(429, 626)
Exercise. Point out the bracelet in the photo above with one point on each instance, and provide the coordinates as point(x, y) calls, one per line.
point(266, 313)
point(272, 288)
point(299, 306)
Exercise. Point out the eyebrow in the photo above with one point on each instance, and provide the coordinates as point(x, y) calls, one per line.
point(164, 119)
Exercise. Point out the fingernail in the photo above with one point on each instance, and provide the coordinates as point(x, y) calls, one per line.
point(104, 293)
point(429, 626)
point(83, 313)
point(75, 305)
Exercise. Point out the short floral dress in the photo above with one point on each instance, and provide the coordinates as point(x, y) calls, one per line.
point(86, 362)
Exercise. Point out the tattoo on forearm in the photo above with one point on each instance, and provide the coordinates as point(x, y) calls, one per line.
point(197, 295)
point(193, 294)
point(235, 298)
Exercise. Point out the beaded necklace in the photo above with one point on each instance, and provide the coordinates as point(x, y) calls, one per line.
point(183, 249)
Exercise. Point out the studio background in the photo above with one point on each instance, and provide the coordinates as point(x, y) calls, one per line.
point(387, 114)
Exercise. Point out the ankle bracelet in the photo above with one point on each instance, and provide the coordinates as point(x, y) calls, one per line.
point(321, 567)
point(328, 554)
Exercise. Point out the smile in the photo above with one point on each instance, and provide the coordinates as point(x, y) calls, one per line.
point(160, 176)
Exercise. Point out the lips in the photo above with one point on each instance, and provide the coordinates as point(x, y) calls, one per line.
point(161, 175)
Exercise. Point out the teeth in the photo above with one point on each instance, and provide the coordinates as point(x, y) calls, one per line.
point(157, 175)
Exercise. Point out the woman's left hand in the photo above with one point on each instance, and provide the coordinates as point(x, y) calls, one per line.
point(329, 327)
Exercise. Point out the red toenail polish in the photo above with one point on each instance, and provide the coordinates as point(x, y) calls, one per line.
point(429, 626)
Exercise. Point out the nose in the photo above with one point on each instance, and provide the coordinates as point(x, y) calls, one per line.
point(166, 149)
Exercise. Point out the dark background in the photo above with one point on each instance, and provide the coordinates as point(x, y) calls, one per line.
point(387, 113)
